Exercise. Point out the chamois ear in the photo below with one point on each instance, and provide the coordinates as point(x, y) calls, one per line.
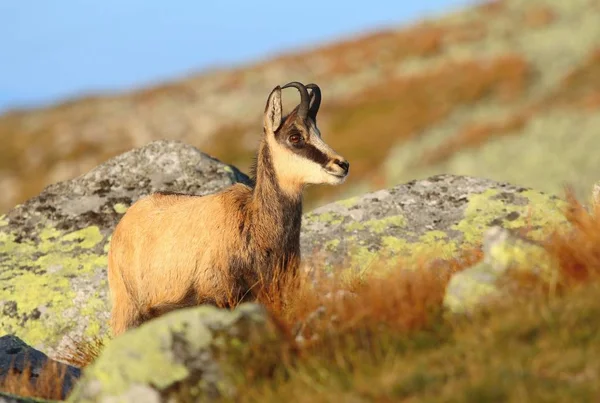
point(272, 119)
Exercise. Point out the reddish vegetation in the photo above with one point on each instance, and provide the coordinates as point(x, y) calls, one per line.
point(581, 84)
point(467, 32)
point(579, 89)
point(174, 92)
point(491, 7)
point(378, 48)
point(365, 128)
point(577, 250)
point(403, 300)
point(48, 385)
point(538, 16)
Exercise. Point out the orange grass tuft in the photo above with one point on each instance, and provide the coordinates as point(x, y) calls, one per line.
point(577, 250)
point(47, 385)
point(401, 300)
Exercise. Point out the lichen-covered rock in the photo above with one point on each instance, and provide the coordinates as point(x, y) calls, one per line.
point(53, 247)
point(185, 355)
point(478, 286)
point(438, 216)
point(16, 355)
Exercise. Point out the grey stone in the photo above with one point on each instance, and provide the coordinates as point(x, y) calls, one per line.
point(53, 285)
point(438, 217)
point(197, 347)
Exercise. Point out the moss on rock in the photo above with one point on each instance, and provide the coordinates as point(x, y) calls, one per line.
point(477, 286)
point(437, 217)
point(190, 347)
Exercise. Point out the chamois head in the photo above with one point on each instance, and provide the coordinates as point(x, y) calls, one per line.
point(299, 155)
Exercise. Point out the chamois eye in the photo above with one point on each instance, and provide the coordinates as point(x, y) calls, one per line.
point(295, 138)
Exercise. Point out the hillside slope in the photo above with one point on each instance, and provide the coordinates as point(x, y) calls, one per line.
point(508, 90)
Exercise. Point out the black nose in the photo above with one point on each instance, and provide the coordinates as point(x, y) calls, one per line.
point(345, 165)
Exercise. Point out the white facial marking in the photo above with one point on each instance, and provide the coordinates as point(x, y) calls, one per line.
point(296, 170)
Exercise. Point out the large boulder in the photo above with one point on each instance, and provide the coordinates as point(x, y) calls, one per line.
point(17, 356)
point(436, 217)
point(53, 285)
point(186, 355)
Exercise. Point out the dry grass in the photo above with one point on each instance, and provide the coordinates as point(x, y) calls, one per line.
point(581, 83)
point(82, 352)
point(578, 251)
point(390, 342)
point(538, 16)
point(47, 385)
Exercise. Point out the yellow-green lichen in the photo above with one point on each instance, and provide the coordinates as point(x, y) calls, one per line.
point(435, 243)
point(397, 251)
point(120, 208)
point(518, 254)
point(362, 258)
point(354, 226)
point(504, 253)
point(332, 245)
point(377, 226)
point(3, 221)
point(484, 208)
point(466, 290)
point(33, 281)
point(539, 211)
point(329, 218)
point(88, 237)
point(349, 203)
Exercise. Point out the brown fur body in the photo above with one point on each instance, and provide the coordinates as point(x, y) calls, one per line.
point(172, 250)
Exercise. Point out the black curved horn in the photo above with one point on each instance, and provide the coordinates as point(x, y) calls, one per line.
point(316, 93)
point(304, 97)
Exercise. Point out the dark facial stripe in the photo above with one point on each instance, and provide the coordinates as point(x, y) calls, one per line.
point(312, 153)
point(306, 150)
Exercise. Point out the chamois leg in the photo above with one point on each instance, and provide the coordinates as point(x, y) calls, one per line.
point(124, 311)
point(124, 315)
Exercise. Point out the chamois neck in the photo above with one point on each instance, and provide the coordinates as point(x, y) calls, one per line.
point(275, 212)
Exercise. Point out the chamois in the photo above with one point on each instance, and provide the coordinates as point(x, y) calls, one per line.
point(173, 250)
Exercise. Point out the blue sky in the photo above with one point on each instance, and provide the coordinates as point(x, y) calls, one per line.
point(52, 50)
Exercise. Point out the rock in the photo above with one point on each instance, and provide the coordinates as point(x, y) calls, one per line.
point(436, 217)
point(53, 285)
point(194, 348)
point(477, 286)
point(16, 355)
